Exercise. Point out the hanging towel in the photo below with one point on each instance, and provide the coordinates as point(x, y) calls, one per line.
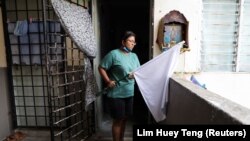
point(77, 23)
point(91, 87)
point(21, 28)
point(153, 78)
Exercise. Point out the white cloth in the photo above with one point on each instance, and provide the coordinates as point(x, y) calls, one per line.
point(153, 78)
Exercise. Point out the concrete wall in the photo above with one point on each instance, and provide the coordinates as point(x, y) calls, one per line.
point(96, 25)
point(5, 116)
point(190, 104)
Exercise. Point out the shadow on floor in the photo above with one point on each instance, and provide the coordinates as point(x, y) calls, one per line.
point(105, 134)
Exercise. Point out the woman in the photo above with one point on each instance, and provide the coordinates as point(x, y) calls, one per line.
point(116, 70)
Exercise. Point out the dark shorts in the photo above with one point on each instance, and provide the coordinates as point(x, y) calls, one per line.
point(121, 107)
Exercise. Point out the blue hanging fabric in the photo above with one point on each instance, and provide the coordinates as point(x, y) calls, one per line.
point(21, 28)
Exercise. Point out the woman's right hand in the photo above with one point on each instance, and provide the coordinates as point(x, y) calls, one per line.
point(111, 84)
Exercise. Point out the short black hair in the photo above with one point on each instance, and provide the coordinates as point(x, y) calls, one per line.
point(128, 34)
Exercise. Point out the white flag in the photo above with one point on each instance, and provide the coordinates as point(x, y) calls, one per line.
point(153, 80)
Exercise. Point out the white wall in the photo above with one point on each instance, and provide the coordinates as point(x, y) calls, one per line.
point(232, 86)
point(191, 9)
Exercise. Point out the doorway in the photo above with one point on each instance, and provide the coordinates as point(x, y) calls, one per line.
point(117, 17)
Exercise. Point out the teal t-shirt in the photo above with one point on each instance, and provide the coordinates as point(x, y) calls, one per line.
point(118, 66)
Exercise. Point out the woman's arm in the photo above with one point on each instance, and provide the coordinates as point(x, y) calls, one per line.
point(103, 73)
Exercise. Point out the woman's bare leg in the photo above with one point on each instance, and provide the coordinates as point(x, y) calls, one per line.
point(124, 121)
point(117, 129)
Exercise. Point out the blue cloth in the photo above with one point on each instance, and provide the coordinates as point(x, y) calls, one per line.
point(195, 81)
point(21, 28)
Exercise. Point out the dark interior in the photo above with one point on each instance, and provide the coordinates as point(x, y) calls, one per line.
point(117, 17)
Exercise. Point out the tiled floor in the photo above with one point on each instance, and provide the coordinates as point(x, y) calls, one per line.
point(103, 134)
point(35, 134)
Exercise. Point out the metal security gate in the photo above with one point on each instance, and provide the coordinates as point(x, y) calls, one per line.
point(65, 66)
point(46, 71)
